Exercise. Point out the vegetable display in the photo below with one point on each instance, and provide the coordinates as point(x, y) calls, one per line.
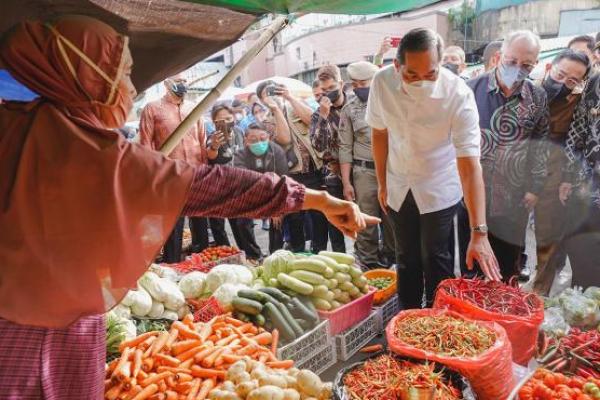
point(156, 297)
point(548, 385)
point(578, 353)
point(329, 279)
point(387, 378)
point(292, 316)
point(581, 309)
point(380, 283)
point(444, 335)
point(187, 361)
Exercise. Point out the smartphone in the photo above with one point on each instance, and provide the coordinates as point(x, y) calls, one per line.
point(224, 126)
point(271, 90)
point(396, 41)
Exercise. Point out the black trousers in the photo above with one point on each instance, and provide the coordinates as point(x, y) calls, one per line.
point(335, 188)
point(423, 255)
point(199, 228)
point(507, 238)
point(217, 227)
point(172, 247)
point(243, 232)
point(582, 244)
point(296, 221)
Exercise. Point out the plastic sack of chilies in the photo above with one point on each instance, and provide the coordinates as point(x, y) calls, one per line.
point(489, 373)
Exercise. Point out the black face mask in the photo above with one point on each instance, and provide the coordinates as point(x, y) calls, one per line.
point(179, 89)
point(451, 67)
point(334, 95)
point(362, 93)
point(555, 90)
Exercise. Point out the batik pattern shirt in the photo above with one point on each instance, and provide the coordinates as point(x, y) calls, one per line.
point(514, 142)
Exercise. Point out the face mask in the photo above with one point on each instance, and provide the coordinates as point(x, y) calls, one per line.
point(512, 75)
point(555, 90)
point(334, 95)
point(362, 93)
point(420, 89)
point(451, 67)
point(259, 148)
point(178, 89)
point(239, 116)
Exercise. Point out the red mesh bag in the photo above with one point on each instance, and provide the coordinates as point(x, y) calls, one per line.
point(489, 373)
point(205, 310)
point(522, 330)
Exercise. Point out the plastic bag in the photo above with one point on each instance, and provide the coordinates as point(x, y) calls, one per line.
point(554, 323)
point(522, 331)
point(490, 373)
point(578, 309)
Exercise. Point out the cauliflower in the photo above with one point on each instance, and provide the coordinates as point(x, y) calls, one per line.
point(142, 302)
point(157, 309)
point(192, 284)
point(226, 292)
point(227, 273)
point(174, 298)
point(121, 311)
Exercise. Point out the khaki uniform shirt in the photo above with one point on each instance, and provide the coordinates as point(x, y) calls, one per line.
point(354, 132)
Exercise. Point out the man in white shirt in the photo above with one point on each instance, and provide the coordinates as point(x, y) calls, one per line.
point(425, 145)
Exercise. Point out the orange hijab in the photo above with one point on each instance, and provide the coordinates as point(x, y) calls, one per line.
point(82, 211)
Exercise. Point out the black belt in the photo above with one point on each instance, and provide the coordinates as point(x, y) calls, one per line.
point(364, 164)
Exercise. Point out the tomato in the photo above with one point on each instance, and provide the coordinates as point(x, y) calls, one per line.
point(550, 380)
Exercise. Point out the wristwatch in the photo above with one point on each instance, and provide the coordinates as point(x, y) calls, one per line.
point(480, 229)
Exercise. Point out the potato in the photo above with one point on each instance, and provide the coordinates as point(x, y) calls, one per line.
point(293, 372)
point(272, 380)
point(228, 386)
point(217, 394)
point(241, 377)
point(292, 382)
point(266, 393)
point(291, 394)
point(236, 370)
point(244, 388)
point(309, 383)
point(326, 391)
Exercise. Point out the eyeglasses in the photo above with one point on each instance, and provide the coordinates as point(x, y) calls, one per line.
point(559, 75)
point(512, 62)
point(254, 139)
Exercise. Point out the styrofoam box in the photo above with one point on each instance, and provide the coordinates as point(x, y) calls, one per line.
point(320, 361)
point(355, 338)
point(306, 345)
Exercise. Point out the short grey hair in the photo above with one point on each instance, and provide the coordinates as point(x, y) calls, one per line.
point(531, 37)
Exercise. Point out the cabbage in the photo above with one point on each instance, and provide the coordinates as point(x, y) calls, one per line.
point(227, 273)
point(276, 263)
point(121, 311)
point(142, 302)
point(153, 284)
point(226, 292)
point(192, 284)
point(157, 309)
point(130, 329)
point(174, 299)
point(593, 293)
point(168, 314)
point(578, 309)
point(128, 299)
point(258, 284)
point(165, 272)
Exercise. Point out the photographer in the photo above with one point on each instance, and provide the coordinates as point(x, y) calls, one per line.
point(303, 161)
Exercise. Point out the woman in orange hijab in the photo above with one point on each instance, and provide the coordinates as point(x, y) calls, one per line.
point(83, 212)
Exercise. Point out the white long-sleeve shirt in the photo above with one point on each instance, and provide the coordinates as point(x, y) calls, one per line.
point(424, 137)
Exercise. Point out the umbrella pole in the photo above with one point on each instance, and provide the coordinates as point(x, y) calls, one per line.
point(194, 116)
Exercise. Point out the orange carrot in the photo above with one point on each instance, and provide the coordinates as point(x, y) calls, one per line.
point(133, 392)
point(213, 338)
point(206, 330)
point(231, 358)
point(234, 321)
point(147, 364)
point(158, 345)
point(124, 373)
point(207, 373)
point(243, 337)
point(209, 361)
point(137, 362)
point(247, 327)
point(371, 349)
point(187, 364)
point(205, 388)
point(158, 396)
point(171, 381)
point(263, 358)
point(146, 392)
point(264, 338)
point(174, 370)
point(110, 367)
point(194, 389)
point(190, 353)
point(286, 364)
point(173, 334)
point(114, 392)
point(136, 340)
point(275, 341)
point(203, 353)
point(188, 320)
point(226, 340)
point(145, 345)
point(183, 377)
point(220, 360)
point(122, 360)
point(184, 387)
point(162, 386)
point(184, 345)
point(184, 331)
point(171, 395)
point(248, 350)
point(155, 378)
point(167, 360)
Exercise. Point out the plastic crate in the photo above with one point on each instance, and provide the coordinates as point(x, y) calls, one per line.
point(311, 342)
point(321, 360)
point(387, 311)
point(349, 314)
point(355, 338)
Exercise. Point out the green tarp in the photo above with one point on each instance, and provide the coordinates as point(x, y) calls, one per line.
point(318, 6)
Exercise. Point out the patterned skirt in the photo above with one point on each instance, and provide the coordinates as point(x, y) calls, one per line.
point(53, 364)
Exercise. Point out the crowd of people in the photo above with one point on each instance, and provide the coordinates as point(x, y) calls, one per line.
point(424, 147)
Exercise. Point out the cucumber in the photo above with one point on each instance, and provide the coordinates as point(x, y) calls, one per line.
point(277, 320)
point(341, 258)
point(253, 295)
point(331, 283)
point(308, 304)
point(304, 312)
point(295, 284)
point(320, 291)
point(341, 277)
point(308, 277)
point(359, 282)
point(335, 304)
point(365, 289)
point(344, 298)
point(276, 294)
point(328, 273)
point(355, 272)
point(273, 282)
point(309, 264)
point(354, 292)
point(322, 304)
point(241, 316)
point(329, 296)
point(306, 325)
point(337, 292)
point(347, 286)
point(343, 268)
point(290, 320)
point(258, 320)
point(330, 262)
point(247, 306)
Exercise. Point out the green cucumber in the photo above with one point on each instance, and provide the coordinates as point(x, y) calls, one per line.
point(321, 304)
point(343, 268)
point(254, 295)
point(295, 284)
point(279, 322)
point(341, 258)
point(290, 320)
point(306, 325)
point(320, 291)
point(247, 306)
point(347, 286)
point(308, 277)
point(341, 277)
point(328, 273)
point(308, 304)
point(335, 305)
point(309, 264)
point(258, 320)
point(276, 294)
point(241, 316)
point(355, 272)
point(359, 282)
point(304, 312)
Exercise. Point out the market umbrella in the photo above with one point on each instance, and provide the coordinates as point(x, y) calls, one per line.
point(296, 87)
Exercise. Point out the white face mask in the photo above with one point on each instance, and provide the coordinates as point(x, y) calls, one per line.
point(419, 89)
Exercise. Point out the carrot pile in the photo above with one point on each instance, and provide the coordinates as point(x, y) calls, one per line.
point(188, 361)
